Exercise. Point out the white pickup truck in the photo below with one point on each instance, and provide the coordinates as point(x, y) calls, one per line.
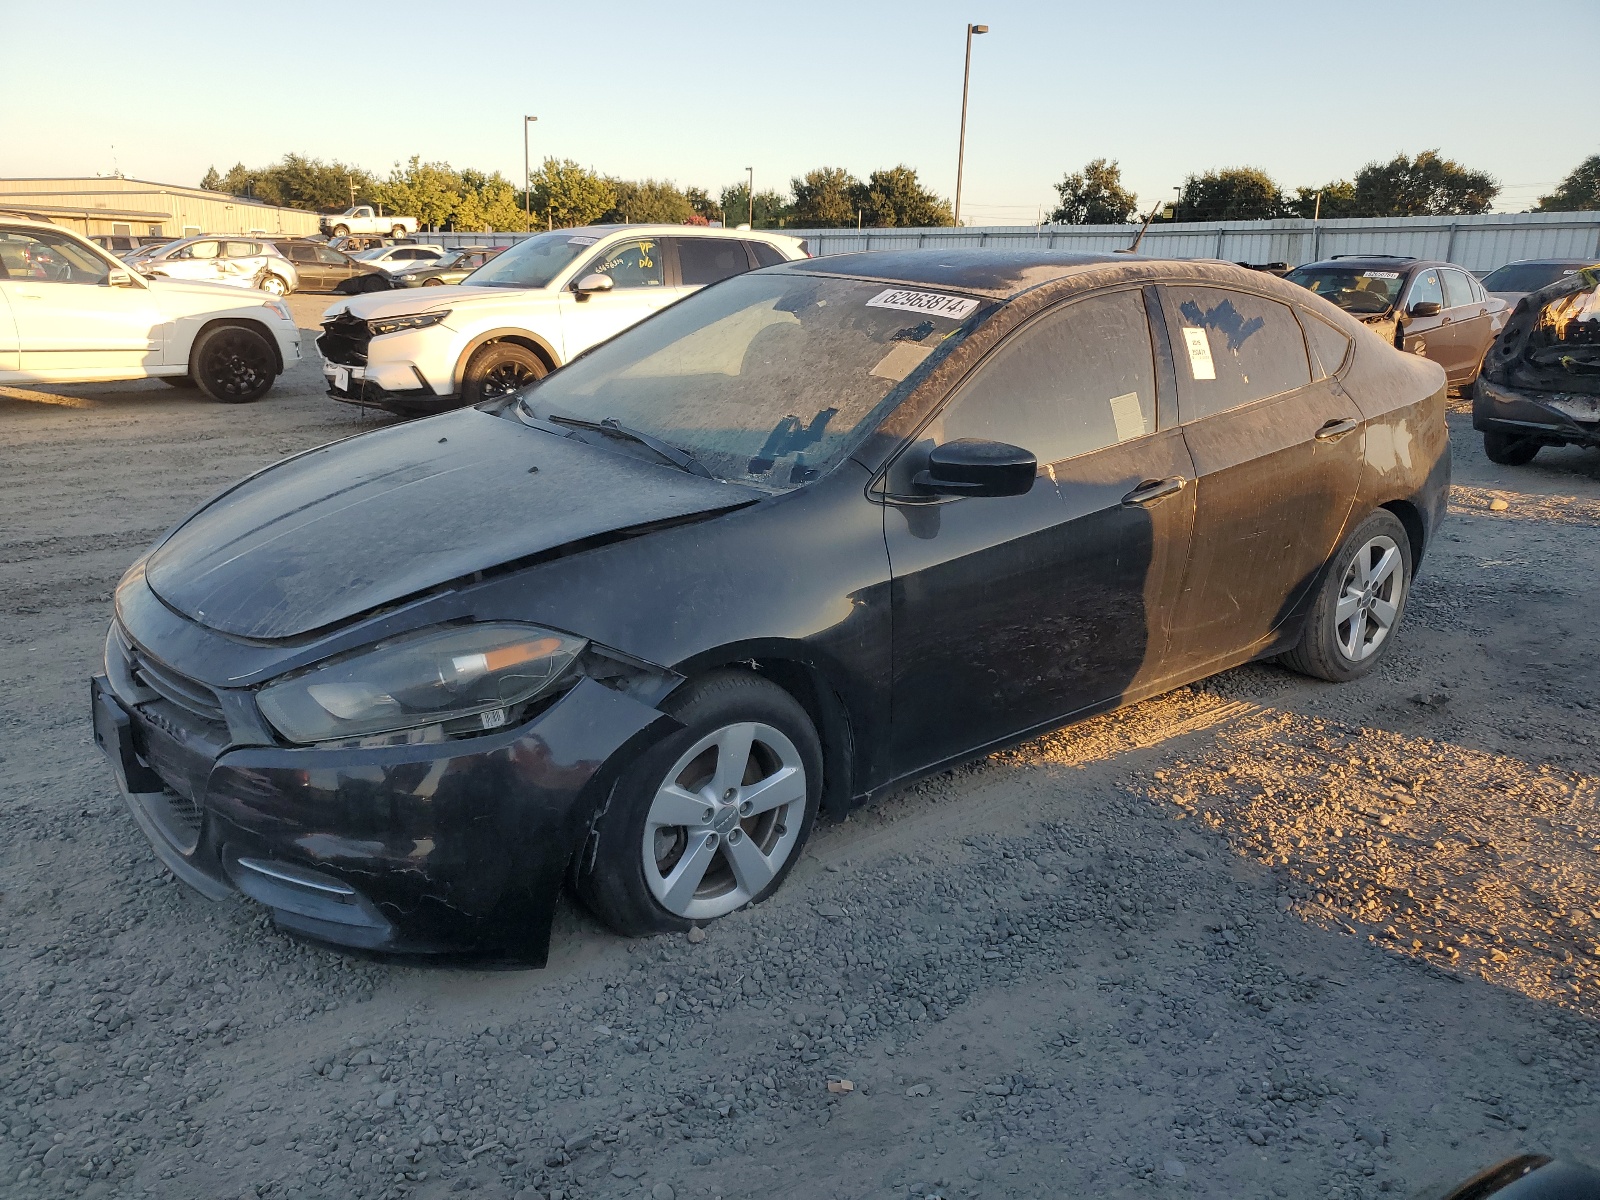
point(362, 219)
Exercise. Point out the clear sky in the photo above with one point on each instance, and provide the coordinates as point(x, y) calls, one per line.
point(1309, 92)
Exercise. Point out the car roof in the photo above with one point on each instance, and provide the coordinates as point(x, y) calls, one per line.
point(31, 223)
point(773, 235)
point(1377, 262)
point(1550, 262)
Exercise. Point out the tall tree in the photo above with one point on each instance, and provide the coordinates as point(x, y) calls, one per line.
point(706, 210)
point(1427, 185)
point(1094, 196)
point(896, 198)
point(429, 192)
point(211, 181)
point(771, 209)
point(826, 198)
point(1231, 194)
point(1578, 192)
point(648, 201)
point(487, 203)
point(565, 194)
point(1338, 200)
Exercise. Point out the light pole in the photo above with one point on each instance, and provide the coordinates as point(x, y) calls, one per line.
point(527, 172)
point(750, 198)
point(961, 152)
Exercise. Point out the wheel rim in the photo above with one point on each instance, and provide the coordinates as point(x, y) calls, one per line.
point(238, 364)
point(504, 378)
point(725, 821)
point(274, 285)
point(1369, 599)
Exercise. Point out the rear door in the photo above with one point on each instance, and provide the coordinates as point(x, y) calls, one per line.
point(1278, 456)
point(1469, 332)
point(637, 270)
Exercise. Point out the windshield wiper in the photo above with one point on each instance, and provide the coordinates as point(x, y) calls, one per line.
point(611, 427)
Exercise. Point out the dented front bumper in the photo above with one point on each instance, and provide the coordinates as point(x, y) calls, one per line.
point(449, 846)
point(1555, 418)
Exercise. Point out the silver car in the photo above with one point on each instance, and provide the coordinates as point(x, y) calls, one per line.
point(241, 261)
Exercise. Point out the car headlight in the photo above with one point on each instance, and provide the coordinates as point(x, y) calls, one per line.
point(408, 276)
point(459, 680)
point(282, 309)
point(395, 324)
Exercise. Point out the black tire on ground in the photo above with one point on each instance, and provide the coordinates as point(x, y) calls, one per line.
point(376, 282)
point(609, 875)
point(1369, 595)
point(433, 283)
point(274, 285)
point(178, 381)
point(499, 369)
point(1509, 449)
point(233, 364)
point(341, 231)
point(399, 231)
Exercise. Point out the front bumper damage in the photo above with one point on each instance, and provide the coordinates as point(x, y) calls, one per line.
point(447, 846)
point(1551, 418)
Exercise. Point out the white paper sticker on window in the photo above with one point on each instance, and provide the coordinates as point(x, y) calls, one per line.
point(931, 303)
point(903, 359)
point(1200, 364)
point(1129, 417)
point(582, 241)
point(1380, 274)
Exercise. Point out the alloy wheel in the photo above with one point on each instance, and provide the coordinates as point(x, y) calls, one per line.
point(238, 363)
point(505, 378)
point(1369, 599)
point(725, 821)
point(274, 286)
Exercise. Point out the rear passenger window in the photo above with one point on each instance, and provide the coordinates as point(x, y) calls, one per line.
point(1231, 348)
point(1328, 346)
point(766, 255)
point(1457, 290)
point(709, 260)
point(1074, 381)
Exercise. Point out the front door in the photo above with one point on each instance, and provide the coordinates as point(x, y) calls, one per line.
point(1014, 612)
point(1425, 334)
point(200, 261)
point(637, 270)
point(70, 322)
point(1278, 456)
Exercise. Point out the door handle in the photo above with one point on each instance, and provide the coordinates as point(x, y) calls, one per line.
point(1336, 429)
point(1153, 490)
point(27, 292)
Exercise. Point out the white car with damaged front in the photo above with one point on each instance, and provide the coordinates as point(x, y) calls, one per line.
point(525, 312)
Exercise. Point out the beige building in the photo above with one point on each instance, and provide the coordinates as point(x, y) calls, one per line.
point(135, 207)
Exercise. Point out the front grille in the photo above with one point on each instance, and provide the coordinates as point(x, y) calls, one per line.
point(344, 340)
point(192, 696)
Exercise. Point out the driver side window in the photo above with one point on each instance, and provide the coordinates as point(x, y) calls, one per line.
point(630, 265)
point(50, 258)
point(1426, 289)
point(198, 250)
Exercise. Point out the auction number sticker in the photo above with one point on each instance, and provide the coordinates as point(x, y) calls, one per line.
point(1200, 364)
point(956, 308)
point(1380, 274)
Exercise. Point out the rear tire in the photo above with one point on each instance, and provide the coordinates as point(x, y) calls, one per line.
point(1359, 603)
point(650, 868)
point(499, 369)
point(1509, 449)
point(233, 364)
point(274, 286)
point(398, 232)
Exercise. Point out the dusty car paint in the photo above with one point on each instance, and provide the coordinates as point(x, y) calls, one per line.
point(915, 632)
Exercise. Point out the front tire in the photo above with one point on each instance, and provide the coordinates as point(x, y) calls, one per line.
point(233, 364)
point(499, 369)
point(341, 231)
point(1359, 603)
point(712, 817)
point(1509, 449)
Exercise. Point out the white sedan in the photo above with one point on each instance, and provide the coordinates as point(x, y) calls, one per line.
point(71, 313)
point(401, 258)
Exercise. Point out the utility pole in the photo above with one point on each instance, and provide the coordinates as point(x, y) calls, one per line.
point(966, 78)
point(750, 197)
point(527, 172)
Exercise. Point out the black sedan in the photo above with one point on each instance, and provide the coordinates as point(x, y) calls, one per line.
point(803, 536)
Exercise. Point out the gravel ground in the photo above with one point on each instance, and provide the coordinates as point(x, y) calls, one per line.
point(1260, 937)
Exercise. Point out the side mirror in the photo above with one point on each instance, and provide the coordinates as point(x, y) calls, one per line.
point(590, 284)
point(120, 279)
point(1424, 308)
point(969, 467)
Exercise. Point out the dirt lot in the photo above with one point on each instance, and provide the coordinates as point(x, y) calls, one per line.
point(1260, 937)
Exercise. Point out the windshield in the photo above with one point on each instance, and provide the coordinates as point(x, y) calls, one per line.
point(532, 263)
point(1354, 289)
point(766, 380)
point(1526, 277)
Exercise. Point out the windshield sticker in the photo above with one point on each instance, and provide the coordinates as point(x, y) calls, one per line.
point(903, 359)
point(1380, 274)
point(582, 241)
point(1200, 364)
point(954, 307)
point(1128, 415)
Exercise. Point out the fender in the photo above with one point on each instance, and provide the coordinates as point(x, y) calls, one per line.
point(511, 333)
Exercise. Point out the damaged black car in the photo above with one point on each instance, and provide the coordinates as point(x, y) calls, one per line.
point(808, 534)
point(1541, 382)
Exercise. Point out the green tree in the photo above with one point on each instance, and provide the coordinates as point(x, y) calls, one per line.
point(1427, 185)
point(211, 181)
point(1231, 194)
point(826, 198)
point(1578, 192)
point(487, 203)
point(1095, 196)
point(429, 192)
point(648, 202)
point(565, 194)
point(771, 209)
point(895, 198)
point(1338, 200)
point(706, 210)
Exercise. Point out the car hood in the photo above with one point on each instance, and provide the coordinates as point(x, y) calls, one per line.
point(166, 285)
point(362, 523)
point(395, 304)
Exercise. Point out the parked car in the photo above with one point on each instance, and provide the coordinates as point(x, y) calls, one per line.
point(123, 244)
point(801, 537)
point(323, 269)
point(1541, 383)
point(1516, 279)
point(238, 261)
point(352, 245)
point(71, 313)
point(361, 218)
point(525, 312)
point(400, 257)
point(1434, 309)
point(455, 266)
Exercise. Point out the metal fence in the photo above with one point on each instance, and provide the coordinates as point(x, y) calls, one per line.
point(1479, 243)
